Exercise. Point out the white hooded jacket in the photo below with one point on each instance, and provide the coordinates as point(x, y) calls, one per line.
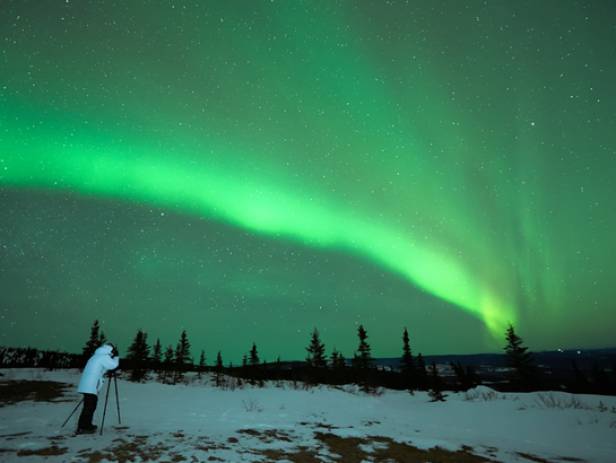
point(92, 377)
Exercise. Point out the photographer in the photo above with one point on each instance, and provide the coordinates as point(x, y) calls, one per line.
point(105, 358)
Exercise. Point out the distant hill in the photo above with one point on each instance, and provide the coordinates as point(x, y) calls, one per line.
point(554, 360)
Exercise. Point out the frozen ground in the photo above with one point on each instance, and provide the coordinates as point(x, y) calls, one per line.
point(201, 423)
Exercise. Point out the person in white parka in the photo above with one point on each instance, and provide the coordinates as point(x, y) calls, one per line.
point(105, 358)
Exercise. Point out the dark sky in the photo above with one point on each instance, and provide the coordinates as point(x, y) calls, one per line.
point(248, 171)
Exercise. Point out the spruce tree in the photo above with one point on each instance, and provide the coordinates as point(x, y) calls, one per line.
point(93, 342)
point(407, 366)
point(421, 371)
point(157, 355)
point(254, 356)
point(436, 385)
point(362, 358)
point(201, 368)
point(520, 360)
point(316, 352)
point(466, 376)
point(218, 369)
point(102, 339)
point(337, 360)
point(182, 357)
point(253, 360)
point(334, 358)
point(168, 365)
point(137, 355)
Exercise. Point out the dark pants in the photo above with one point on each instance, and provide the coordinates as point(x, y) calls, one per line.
point(89, 405)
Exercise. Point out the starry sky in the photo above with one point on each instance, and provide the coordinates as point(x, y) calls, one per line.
point(250, 170)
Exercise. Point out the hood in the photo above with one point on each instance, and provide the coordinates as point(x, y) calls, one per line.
point(105, 349)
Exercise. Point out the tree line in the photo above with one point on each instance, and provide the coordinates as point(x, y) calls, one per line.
point(169, 364)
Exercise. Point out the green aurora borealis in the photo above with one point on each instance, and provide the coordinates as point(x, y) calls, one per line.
point(249, 170)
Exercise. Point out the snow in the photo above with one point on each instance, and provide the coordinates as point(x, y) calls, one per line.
point(201, 421)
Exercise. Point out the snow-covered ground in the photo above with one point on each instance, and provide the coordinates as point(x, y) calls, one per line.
point(199, 422)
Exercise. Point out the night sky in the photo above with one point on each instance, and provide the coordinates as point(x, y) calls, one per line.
point(250, 170)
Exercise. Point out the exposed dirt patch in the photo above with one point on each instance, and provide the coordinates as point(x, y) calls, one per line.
point(319, 425)
point(528, 456)
point(124, 451)
point(535, 458)
point(54, 450)
point(39, 391)
point(350, 452)
point(268, 435)
point(303, 455)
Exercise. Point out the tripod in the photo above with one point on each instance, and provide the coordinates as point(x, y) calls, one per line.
point(112, 376)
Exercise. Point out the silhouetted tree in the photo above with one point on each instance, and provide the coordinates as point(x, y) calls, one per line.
point(362, 358)
point(168, 366)
point(137, 356)
point(102, 339)
point(157, 355)
point(201, 364)
point(466, 377)
point(218, 369)
point(421, 372)
point(524, 372)
point(254, 355)
point(436, 385)
point(316, 352)
point(182, 357)
point(407, 365)
point(93, 342)
point(253, 361)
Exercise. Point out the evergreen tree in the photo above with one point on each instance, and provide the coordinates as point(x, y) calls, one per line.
point(201, 364)
point(168, 365)
point(407, 365)
point(93, 342)
point(244, 361)
point(218, 369)
point(334, 358)
point(466, 377)
point(253, 361)
point(337, 360)
point(520, 360)
point(421, 372)
point(102, 339)
point(137, 355)
point(436, 383)
point(157, 355)
point(254, 356)
point(182, 357)
point(362, 358)
point(316, 352)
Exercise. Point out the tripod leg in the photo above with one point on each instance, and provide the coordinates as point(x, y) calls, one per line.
point(105, 409)
point(72, 413)
point(115, 383)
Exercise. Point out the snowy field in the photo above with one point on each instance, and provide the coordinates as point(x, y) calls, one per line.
point(200, 423)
